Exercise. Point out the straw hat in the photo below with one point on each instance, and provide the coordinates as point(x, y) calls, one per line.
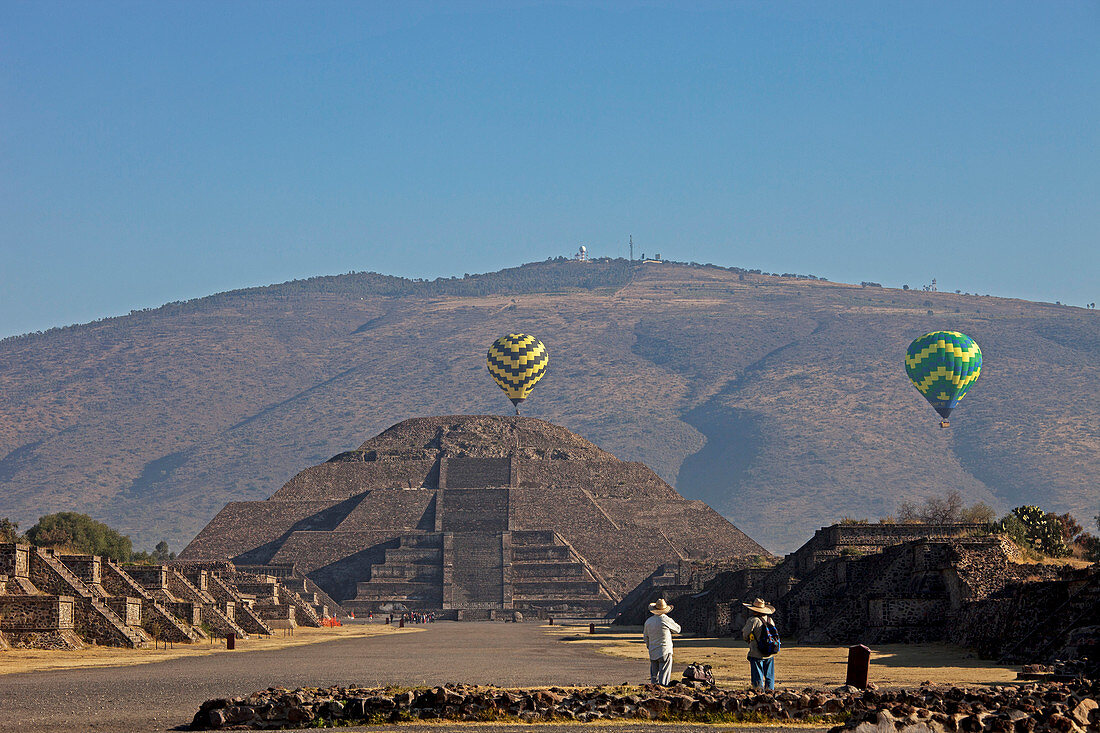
point(659, 607)
point(758, 606)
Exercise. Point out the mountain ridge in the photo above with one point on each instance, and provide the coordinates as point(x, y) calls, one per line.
point(153, 421)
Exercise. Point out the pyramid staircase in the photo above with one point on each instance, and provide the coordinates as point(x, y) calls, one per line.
point(550, 578)
point(412, 574)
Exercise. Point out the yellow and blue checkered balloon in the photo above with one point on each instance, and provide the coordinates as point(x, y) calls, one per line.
point(516, 362)
point(943, 365)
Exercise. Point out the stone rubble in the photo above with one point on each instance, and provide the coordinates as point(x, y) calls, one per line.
point(1029, 708)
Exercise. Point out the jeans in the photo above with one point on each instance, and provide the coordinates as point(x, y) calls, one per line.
point(763, 671)
point(660, 670)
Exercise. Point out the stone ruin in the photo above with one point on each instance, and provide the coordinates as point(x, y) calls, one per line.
point(904, 583)
point(59, 601)
point(472, 517)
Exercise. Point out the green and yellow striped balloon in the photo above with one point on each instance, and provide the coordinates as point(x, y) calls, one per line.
point(943, 365)
point(516, 362)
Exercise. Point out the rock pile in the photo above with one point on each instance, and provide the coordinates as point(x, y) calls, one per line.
point(1064, 708)
point(1030, 708)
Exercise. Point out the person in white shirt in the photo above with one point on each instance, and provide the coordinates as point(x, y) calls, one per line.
point(657, 633)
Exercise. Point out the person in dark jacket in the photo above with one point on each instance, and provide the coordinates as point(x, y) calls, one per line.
point(761, 667)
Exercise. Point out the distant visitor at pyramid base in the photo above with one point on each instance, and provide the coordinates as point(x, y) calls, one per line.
point(476, 517)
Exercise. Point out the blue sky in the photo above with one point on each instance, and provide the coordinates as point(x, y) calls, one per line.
point(157, 151)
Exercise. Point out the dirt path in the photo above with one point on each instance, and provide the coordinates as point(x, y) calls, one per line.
point(163, 695)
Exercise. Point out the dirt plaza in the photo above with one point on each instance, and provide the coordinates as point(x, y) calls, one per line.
point(163, 695)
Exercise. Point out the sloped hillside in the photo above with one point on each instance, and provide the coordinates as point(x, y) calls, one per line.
point(782, 402)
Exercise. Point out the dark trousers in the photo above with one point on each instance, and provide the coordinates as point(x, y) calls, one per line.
point(660, 670)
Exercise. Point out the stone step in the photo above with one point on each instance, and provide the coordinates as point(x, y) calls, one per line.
point(548, 570)
point(536, 553)
point(558, 588)
point(426, 596)
point(420, 573)
point(476, 570)
point(375, 589)
point(408, 541)
point(521, 538)
point(475, 510)
point(564, 606)
point(415, 554)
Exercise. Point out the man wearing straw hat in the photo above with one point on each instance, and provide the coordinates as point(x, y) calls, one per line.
point(762, 667)
point(658, 631)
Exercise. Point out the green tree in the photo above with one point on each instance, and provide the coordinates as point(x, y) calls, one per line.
point(161, 553)
point(9, 531)
point(80, 532)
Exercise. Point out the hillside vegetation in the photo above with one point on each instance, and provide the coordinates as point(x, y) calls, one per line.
point(781, 401)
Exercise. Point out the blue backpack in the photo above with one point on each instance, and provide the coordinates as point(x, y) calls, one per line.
point(767, 639)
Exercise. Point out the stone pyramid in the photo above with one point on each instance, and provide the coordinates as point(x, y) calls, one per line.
point(472, 515)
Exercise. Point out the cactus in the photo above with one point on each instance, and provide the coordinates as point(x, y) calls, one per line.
point(1043, 531)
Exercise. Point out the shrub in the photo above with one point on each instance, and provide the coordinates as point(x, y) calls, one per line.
point(979, 513)
point(1040, 530)
point(1090, 547)
point(946, 509)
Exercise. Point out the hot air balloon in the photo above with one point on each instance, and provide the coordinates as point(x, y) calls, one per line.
point(943, 365)
point(516, 362)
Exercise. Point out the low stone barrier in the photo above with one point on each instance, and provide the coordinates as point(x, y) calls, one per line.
point(1065, 708)
point(1031, 708)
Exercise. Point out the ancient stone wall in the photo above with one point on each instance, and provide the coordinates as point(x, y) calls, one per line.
point(606, 478)
point(1040, 620)
point(392, 509)
point(342, 479)
point(128, 610)
point(36, 613)
point(964, 590)
point(252, 528)
point(475, 473)
point(14, 562)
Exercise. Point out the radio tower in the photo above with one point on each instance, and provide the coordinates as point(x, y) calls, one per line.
point(631, 247)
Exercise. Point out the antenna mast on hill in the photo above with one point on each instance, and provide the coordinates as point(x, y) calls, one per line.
point(631, 247)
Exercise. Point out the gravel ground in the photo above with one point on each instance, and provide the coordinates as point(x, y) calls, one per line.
point(165, 695)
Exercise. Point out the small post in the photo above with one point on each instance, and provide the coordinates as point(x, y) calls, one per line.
point(231, 641)
point(551, 620)
point(591, 628)
point(859, 659)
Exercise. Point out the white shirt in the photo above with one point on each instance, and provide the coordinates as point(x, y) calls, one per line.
point(657, 633)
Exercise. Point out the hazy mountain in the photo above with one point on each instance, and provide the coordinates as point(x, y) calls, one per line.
point(782, 402)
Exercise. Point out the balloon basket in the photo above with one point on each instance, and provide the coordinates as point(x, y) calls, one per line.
point(944, 424)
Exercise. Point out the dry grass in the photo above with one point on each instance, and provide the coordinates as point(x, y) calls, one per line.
point(1071, 562)
point(892, 665)
point(36, 660)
